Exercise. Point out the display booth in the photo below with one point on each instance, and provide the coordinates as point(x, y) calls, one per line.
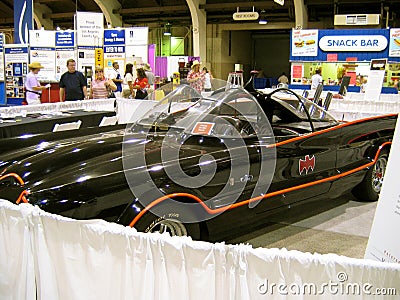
point(342, 53)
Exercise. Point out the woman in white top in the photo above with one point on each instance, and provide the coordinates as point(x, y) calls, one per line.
point(127, 86)
point(33, 88)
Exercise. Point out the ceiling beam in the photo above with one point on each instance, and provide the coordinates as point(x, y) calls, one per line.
point(259, 5)
point(180, 8)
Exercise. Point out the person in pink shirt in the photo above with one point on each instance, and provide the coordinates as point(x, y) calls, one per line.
point(195, 77)
point(100, 85)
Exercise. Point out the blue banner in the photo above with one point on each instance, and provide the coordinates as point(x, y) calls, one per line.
point(65, 39)
point(114, 37)
point(23, 20)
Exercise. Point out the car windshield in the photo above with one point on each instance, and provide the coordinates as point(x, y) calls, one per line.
point(223, 112)
point(292, 103)
point(228, 111)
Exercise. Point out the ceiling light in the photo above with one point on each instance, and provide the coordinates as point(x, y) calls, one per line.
point(263, 18)
point(167, 30)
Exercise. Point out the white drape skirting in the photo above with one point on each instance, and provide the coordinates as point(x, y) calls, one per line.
point(45, 256)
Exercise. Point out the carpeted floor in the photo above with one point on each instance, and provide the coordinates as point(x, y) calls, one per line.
point(341, 227)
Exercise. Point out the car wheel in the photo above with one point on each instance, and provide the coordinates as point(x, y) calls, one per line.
point(370, 187)
point(169, 221)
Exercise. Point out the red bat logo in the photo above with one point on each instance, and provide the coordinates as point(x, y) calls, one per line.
point(306, 164)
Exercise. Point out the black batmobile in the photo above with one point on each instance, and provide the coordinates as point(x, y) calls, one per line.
point(203, 165)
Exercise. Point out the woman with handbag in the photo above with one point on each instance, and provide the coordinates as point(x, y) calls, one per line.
point(101, 87)
point(141, 84)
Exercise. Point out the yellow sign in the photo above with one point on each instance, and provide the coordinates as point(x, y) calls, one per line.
point(99, 57)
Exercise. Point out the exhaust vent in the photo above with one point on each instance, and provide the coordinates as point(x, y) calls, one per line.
point(358, 19)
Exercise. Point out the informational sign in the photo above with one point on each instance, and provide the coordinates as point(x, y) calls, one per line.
point(304, 42)
point(383, 244)
point(136, 36)
point(42, 49)
point(353, 43)
point(89, 28)
point(375, 79)
point(114, 37)
point(42, 38)
point(86, 58)
point(394, 44)
point(16, 68)
point(297, 73)
point(1, 57)
point(23, 20)
point(99, 57)
point(65, 38)
point(280, 2)
point(62, 55)
point(47, 57)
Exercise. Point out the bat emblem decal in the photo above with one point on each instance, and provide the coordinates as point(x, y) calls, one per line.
point(306, 164)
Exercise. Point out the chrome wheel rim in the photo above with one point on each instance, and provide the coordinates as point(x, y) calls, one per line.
point(173, 227)
point(378, 173)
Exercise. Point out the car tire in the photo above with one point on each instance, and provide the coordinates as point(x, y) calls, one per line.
point(370, 187)
point(169, 221)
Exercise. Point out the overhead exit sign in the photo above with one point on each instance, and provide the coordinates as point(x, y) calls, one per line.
point(245, 16)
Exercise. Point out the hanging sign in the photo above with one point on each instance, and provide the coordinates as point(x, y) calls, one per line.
point(245, 16)
point(353, 43)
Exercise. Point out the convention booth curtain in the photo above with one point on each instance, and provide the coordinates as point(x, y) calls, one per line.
point(44, 256)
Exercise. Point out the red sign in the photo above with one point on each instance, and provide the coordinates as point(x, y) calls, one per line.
point(351, 59)
point(297, 71)
point(331, 57)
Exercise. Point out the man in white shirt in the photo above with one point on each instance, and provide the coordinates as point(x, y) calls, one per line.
point(115, 76)
point(316, 79)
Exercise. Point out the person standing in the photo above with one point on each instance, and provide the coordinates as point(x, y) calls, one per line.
point(283, 78)
point(100, 85)
point(72, 83)
point(127, 88)
point(207, 80)
point(316, 79)
point(196, 78)
point(140, 84)
point(150, 76)
point(115, 76)
point(33, 89)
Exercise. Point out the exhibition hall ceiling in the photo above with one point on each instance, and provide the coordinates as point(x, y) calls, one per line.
point(155, 13)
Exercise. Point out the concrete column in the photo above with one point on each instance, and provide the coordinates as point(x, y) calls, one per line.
point(199, 22)
point(301, 15)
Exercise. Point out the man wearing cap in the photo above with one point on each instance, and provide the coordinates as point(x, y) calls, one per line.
point(33, 89)
point(196, 78)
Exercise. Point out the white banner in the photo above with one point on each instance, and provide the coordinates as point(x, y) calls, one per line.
point(42, 38)
point(89, 28)
point(383, 243)
point(136, 36)
point(46, 56)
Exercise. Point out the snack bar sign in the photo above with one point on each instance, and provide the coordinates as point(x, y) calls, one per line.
point(353, 43)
